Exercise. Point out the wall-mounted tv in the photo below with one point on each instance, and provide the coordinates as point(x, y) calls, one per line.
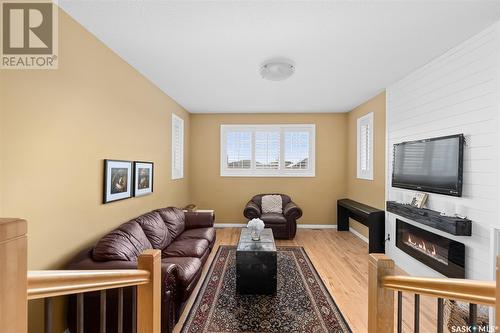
point(431, 165)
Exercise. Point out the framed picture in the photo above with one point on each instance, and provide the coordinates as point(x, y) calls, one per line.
point(117, 180)
point(143, 178)
point(419, 199)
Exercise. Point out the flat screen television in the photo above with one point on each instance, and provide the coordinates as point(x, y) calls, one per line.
point(431, 165)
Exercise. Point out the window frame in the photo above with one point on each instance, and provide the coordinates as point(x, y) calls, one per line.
point(177, 173)
point(281, 171)
point(367, 119)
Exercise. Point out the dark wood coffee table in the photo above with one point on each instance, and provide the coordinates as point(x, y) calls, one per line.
point(256, 263)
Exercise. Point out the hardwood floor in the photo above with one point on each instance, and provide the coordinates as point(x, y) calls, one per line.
point(341, 260)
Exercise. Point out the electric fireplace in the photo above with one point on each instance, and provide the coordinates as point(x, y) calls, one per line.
point(439, 253)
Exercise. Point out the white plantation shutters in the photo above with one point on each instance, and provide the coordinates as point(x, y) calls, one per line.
point(268, 150)
point(297, 150)
point(365, 147)
point(177, 147)
point(239, 150)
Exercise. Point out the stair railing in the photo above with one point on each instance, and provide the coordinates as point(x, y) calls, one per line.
point(383, 284)
point(18, 285)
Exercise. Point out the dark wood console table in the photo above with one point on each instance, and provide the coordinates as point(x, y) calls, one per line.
point(371, 217)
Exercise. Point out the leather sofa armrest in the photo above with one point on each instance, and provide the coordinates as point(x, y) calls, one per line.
point(169, 278)
point(84, 261)
point(292, 211)
point(199, 219)
point(252, 210)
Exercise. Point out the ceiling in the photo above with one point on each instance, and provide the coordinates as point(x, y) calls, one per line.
point(206, 54)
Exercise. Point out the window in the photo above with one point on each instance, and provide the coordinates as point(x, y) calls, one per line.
point(365, 147)
point(177, 147)
point(267, 150)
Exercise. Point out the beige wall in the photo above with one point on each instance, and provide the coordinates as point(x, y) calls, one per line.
point(58, 126)
point(2, 143)
point(370, 192)
point(228, 195)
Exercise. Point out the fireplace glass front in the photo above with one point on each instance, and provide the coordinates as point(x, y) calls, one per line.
point(439, 253)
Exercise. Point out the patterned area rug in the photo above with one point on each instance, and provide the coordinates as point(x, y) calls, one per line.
point(301, 304)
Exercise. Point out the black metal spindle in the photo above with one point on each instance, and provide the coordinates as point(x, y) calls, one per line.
point(103, 312)
point(473, 315)
point(416, 324)
point(440, 315)
point(120, 310)
point(134, 309)
point(400, 311)
point(79, 313)
point(48, 315)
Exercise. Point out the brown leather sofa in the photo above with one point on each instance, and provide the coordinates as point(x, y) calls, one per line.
point(185, 239)
point(284, 225)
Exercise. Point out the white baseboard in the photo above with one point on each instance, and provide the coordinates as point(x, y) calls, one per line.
point(363, 238)
point(299, 226)
point(230, 225)
point(316, 226)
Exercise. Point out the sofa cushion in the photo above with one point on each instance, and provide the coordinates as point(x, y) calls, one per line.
point(272, 204)
point(199, 233)
point(186, 248)
point(273, 218)
point(155, 229)
point(188, 268)
point(124, 243)
point(174, 219)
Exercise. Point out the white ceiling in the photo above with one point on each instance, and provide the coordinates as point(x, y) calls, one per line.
point(206, 54)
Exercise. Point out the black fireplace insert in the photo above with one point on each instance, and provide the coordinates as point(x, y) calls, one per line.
point(439, 253)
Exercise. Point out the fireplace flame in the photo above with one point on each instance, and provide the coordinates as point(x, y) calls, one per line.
point(423, 246)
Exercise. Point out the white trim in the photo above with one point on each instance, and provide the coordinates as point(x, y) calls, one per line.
point(281, 171)
point(316, 226)
point(299, 226)
point(177, 173)
point(230, 225)
point(366, 120)
point(363, 238)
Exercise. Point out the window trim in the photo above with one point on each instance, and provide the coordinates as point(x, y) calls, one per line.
point(364, 174)
point(177, 173)
point(281, 172)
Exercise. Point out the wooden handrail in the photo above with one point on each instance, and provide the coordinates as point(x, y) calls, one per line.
point(382, 284)
point(17, 284)
point(470, 291)
point(42, 284)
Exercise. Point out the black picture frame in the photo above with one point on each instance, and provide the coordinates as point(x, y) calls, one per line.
point(112, 180)
point(138, 192)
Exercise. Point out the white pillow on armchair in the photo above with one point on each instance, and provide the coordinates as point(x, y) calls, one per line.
point(272, 204)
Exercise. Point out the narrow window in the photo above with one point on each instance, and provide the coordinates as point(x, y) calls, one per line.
point(365, 147)
point(177, 147)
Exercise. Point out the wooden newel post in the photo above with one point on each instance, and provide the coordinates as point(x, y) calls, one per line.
point(497, 297)
point(149, 295)
point(380, 300)
point(13, 276)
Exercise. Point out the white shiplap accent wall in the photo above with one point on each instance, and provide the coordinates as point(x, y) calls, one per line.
point(457, 92)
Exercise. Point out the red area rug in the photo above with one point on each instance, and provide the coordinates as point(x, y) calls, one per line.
point(302, 302)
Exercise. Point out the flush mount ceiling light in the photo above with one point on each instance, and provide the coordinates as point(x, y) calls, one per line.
point(277, 70)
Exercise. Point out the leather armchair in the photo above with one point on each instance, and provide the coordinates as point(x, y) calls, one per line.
point(284, 225)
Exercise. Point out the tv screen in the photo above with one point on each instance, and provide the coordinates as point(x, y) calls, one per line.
point(432, 165)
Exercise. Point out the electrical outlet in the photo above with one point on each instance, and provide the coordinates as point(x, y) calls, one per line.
point(388, 239)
